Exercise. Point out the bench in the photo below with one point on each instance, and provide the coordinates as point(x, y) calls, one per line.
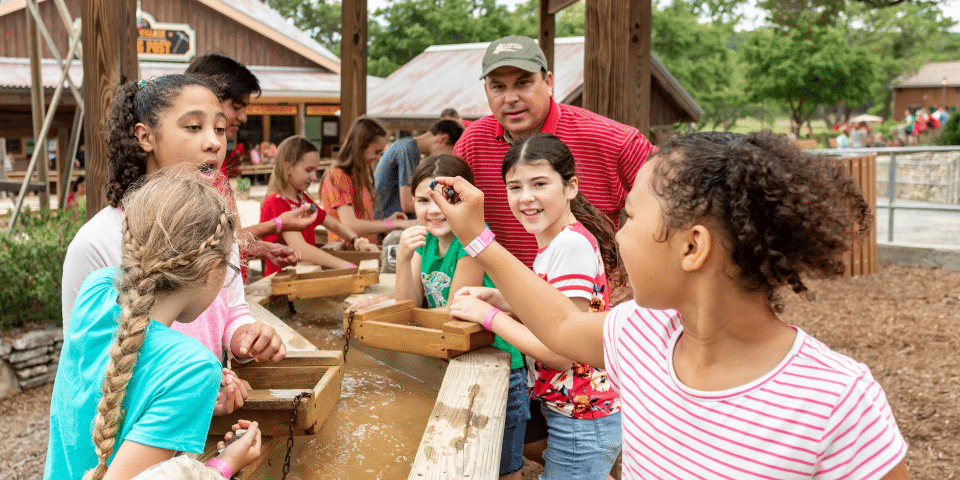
point(12, 186)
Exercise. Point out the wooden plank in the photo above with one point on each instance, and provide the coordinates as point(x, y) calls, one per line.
point(397, 326)
point(556, 6)
point(464, 435)
point(353, 61)
point(547, 32)
point(872, 182)
point(617, 69)
point(293, 340)
point(857, 263)
point(38, 108)
point(109, 60)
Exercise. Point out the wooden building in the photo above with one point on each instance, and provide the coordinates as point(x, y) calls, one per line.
point(935, 84)
point(447, 76)
point(300, 79)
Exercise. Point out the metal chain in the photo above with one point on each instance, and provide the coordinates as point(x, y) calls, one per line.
point(293, 421)
point(347, 333)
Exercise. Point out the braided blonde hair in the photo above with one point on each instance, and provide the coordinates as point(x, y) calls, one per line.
point(175, 231)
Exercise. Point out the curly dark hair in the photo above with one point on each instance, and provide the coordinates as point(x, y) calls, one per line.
point(785, 212)
point(137, 102)
point(546, 146)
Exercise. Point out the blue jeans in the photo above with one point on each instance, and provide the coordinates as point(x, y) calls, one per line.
point(515, 425)
point(579, 448)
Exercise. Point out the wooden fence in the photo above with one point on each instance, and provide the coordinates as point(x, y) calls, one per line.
point(862, 258)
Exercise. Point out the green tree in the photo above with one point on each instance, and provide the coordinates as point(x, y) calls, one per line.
point(318, 18)
point(802, 71)
point(698, 57)
point(405, 28)
point(902, 39)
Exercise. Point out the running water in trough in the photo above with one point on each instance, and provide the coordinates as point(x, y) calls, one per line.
point(376, 426)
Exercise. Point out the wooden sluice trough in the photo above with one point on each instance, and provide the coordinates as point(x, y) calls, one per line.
point(297, 285)
point(398, 415)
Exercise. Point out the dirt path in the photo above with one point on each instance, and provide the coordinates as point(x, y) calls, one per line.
point(903, 322)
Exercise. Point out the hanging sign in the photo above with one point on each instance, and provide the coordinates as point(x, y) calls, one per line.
point(321, 110)
point(165, 42)
point(271, 109)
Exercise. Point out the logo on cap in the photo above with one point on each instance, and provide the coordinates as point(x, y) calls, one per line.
point(507, 47)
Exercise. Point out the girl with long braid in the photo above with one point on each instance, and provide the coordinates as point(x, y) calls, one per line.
point(155, 124)
point(130, 391)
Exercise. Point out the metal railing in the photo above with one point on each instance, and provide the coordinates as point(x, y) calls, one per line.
point(892, 203)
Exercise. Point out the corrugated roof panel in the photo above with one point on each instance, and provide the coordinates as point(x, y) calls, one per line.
point(274, 81)
point(932, 75)
point(448, 76)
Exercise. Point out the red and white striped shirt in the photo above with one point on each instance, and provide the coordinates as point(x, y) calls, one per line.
point(818, 414)
point(608, 155)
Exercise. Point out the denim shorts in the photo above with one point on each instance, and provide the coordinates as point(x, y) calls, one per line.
point(518, 413)
point(584, 449)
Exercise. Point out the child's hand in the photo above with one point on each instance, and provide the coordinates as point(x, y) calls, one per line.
point(398, 216)
point(298, 219)
point(258, 341)
point(471, 309)
point(487, 294)
point(368, 247)
point(233, 392)
point(411, 239)
point(281, 255)
point(466, 216)
point(243, 450)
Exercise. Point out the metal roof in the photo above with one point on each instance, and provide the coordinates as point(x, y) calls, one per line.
point(257, 16)
point(448, 76)
point(287, 82)
point(932, 75)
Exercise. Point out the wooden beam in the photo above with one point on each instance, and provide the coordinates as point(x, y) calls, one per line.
point(616, 81)
point(547, 32)
point(110, 60)
point(464, 436)
point(555, 6)
point(38, 108)
point(353, 63)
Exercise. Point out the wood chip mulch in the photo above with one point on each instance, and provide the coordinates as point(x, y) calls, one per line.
point(903, 322)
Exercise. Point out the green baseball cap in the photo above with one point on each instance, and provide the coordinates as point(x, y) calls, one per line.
point(514, 51)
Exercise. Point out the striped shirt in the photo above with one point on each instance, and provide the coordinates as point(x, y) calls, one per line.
point(818, 414)
point(608, 155)
point(572, 263)
point(336, 190)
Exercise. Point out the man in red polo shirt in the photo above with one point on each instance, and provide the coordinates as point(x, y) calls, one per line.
point(520, 93)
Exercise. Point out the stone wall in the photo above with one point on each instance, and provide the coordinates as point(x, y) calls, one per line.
point(29, 360)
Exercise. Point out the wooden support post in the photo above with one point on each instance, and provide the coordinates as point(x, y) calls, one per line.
point(301, 120)
point(109, 28)
point(547, 32)
point(37, 106)
point(353, 58)
point(616, 81)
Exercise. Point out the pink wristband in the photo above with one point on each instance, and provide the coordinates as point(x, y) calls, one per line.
point(389, 224)
point(221, 466)
point(488, 318)
point(279, 224)
point(352, 265)
point(480, 243)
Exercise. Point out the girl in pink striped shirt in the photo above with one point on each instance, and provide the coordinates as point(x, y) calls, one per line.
point(713, 384)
